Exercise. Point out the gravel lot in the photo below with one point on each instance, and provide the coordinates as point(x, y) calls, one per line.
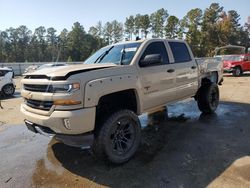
point(181, 148)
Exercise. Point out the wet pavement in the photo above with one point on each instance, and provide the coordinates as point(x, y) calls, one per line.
point(180, 148)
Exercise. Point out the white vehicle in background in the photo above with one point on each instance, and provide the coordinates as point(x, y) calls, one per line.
point(7, 86)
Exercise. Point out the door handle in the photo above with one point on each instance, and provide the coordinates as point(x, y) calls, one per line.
point(170, 70)
point(193, 67)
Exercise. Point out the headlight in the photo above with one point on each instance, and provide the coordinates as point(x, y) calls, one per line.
point(64, 88)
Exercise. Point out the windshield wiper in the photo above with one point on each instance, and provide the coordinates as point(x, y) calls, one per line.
point(100, 58)
point(122, 56)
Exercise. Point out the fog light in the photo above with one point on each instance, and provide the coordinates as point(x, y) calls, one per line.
point(67, 124)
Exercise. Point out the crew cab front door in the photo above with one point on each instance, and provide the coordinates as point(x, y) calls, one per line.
point(157, 79)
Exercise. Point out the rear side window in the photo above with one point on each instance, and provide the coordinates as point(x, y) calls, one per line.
point(157, 48)
point(180, 52)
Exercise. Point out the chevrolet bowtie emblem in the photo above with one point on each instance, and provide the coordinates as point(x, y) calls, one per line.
point(29, 96)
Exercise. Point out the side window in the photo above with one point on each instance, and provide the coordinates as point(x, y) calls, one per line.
point(180, 52)
point(3, 72)
point(156, 48)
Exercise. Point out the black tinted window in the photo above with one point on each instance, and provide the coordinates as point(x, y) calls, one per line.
point(157, 48)
point(3, 72)
point(180, 52)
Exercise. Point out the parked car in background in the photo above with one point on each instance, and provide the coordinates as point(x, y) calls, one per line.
point(7, 86)
point(236, 59)
point(236, 64)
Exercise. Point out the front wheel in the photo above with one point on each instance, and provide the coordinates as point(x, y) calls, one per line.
point(237, 71)
point(208, 98)
point(8, 90)
point(119, 137)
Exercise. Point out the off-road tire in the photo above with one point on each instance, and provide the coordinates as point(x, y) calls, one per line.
point(208, 98)
point(237, 71)
point(8, 90)
point(118, 138)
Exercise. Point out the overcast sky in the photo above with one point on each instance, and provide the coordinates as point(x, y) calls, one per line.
point(63, 13)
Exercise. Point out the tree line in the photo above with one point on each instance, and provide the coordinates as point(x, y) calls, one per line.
point(202, 29)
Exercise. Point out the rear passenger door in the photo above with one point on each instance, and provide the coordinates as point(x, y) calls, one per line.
point(158, 80)
point(186, 70)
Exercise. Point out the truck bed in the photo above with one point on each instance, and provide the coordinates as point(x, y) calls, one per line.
point(207, 65)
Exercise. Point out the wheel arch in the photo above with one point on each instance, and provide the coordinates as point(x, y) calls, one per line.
point(212, 77)
point(128, 98)
point(97, 89)
point(238, 66)
point(116, 101)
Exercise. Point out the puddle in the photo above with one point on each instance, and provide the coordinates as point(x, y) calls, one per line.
point(188, 111)
point(153, 119)
point(187, 108)
point(180, 112)
point(20, 149)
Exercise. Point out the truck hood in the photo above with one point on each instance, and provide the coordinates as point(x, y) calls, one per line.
point(63, 72)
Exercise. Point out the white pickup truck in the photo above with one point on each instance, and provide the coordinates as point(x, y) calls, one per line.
point(7, 86)
point(97, 103)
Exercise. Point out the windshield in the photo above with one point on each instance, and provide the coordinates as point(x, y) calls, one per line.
point(121, 54)
point(232, 58)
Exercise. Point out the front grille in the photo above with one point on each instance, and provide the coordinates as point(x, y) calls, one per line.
point(37, 88)
point(36, 77)
point(41, 105)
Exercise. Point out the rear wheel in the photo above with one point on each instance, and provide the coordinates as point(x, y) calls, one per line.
point(237, 71)
point(119, 137)
point(8, 90)
point(208, 98)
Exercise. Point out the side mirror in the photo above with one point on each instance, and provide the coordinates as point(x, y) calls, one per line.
point(152, 59)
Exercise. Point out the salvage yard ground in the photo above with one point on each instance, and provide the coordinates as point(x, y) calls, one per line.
point(181, 148)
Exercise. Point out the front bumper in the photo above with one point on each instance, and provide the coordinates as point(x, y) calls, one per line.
point(78, 121)
point(82, 140)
